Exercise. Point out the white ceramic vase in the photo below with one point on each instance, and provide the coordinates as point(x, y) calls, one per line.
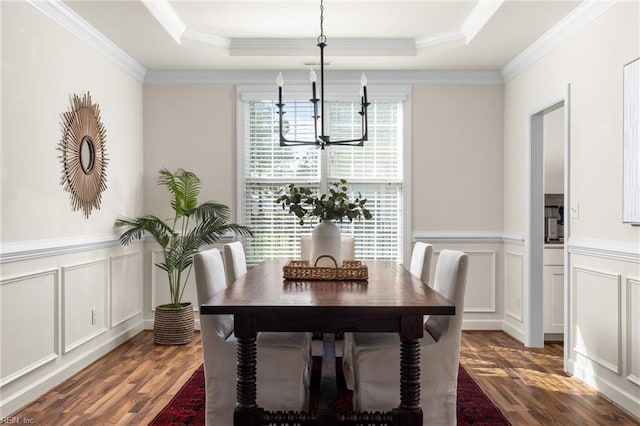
point(325, 239)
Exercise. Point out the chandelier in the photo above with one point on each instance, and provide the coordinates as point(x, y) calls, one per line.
point(322, 139)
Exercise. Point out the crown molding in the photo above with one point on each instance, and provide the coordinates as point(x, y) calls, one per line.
point(166, 15)
point(61, 14)
point(338, 77)
point(582, 15)
point(440, 38)
point(206, 38)
point(479, 17)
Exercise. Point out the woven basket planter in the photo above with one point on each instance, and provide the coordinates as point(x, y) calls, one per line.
point(173, 326)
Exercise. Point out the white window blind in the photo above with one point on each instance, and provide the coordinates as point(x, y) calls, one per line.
point(374, 170)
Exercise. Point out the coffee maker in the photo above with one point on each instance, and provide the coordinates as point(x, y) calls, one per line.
point(554, 218)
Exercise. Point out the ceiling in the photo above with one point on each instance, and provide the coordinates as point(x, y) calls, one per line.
point(361, 34)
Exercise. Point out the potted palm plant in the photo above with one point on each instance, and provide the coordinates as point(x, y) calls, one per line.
point(192, 226)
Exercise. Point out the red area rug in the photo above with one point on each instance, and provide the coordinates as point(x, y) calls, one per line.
point(187, 406)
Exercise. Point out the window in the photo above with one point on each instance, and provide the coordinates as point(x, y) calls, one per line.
point(376, 171)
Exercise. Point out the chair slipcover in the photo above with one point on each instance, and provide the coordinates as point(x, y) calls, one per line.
point(348, 248)
point(421, 261)
point(420, 267)
point(376, 356)
point(234, 261)
point(283, 359)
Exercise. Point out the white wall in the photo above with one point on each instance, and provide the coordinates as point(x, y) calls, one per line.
point(553, 139)
point(58, 266)
point(604, 263)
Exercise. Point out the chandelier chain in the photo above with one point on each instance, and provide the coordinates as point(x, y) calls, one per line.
point(321, 17)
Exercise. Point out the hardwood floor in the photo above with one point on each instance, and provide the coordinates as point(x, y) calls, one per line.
point(529, 385)
point(131, 384)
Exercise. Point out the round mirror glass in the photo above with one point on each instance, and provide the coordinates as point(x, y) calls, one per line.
point(87, 154)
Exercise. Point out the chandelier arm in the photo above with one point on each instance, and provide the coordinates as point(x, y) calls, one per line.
point(323, 140)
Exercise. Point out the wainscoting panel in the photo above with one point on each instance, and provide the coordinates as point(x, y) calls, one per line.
point(28, 323)
point(126, 287)
point(84, 289)
point(633, 331)
point(160, 285)
point(513, 281)
point(480, 293)
point(597, 317)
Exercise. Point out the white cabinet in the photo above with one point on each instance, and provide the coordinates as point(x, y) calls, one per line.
point(553, 290)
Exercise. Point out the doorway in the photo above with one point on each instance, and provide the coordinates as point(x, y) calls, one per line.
point(542, 233)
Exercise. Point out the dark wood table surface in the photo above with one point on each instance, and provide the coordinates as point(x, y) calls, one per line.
point(391, 300)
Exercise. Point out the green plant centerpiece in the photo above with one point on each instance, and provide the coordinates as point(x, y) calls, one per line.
point(329, 207)
point(192, 226)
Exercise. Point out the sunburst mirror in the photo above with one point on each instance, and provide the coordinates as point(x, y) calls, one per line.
point(84, 156)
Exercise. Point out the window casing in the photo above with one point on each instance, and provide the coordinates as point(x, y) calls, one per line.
point(378, 171)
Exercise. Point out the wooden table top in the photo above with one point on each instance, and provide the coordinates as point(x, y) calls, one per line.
point(390, 290)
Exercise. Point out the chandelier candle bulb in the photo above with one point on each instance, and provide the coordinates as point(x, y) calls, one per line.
point(312, 77)
point(363, 82)
point(280, 83)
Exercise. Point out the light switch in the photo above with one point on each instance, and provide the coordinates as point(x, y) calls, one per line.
point(575, 210)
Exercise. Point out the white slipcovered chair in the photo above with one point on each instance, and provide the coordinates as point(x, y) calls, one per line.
point(235, 266)
point(376, 356)
point(348, 248)
point(283, 359)
point(421, 261)
point(235, 262)
point(421, 268)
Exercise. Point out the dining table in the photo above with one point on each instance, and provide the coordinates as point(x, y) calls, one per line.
point(389, 300)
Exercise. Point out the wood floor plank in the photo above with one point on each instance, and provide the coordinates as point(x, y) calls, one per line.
point(529, 385)
point(131, 384)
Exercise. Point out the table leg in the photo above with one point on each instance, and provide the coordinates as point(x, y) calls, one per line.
point(246, 367)
point(409, 412)
point(247, 412)
point(410, 374)
point(327, 415)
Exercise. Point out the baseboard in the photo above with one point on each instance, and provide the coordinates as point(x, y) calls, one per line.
point(553, 337)
point(512, 331)
point(481, 324)
point(627, 401)
point(44, 384)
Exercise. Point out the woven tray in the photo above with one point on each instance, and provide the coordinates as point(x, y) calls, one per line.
point(351, 270)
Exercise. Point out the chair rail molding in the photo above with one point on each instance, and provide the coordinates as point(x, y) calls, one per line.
point(605, 249)
point(23, 250)
point(482, 237)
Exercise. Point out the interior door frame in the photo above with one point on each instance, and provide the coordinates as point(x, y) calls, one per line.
point(534, 241)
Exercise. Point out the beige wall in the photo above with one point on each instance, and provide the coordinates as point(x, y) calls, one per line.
point(457, 158)
point(192, 127)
